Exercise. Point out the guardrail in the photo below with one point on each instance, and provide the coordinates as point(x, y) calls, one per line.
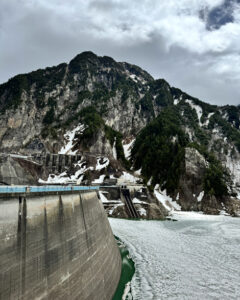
point(42, 189)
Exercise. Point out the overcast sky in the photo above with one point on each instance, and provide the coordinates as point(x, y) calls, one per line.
point(193, 44)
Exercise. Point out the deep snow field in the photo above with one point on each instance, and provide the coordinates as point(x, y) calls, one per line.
point(197, 257)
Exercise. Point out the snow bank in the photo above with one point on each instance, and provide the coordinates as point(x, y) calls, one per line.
point(126, 291)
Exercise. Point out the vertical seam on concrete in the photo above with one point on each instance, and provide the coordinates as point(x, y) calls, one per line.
point(84, 221)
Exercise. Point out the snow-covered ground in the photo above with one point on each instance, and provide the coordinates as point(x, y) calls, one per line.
point(196, 257)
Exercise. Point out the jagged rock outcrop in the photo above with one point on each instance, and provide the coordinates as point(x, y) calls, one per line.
point(232, 207)
point(191, 189)
point(39, 105)
point(18, 171)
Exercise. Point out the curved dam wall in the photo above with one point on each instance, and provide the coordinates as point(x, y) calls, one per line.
point(57, 247)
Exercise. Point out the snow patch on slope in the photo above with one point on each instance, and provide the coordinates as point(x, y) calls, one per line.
point(102, 163)
point(127, 148)
point(110, 212)
point(133, 77)
point(176, 101)
point(149, 181)
point(69, 137)
point(137, 79)
point(142, 211)
point(65, 178)
point(208, 118)
point(197, 108)
point(127, 177)
point(137, 201)
point(100, 179)
point(138, 172)
point(166, 201)
point(114, 149)
point(200, 196)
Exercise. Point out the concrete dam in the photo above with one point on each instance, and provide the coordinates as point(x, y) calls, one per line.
point(56, 243)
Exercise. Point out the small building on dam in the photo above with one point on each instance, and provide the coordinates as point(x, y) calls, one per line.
point(56, 244)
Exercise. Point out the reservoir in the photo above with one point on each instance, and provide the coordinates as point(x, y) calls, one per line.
point(195, 257)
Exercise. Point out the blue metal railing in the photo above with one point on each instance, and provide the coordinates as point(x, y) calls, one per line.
point(44, 189)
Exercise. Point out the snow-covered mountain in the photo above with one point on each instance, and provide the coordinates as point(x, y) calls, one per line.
point(118, 122)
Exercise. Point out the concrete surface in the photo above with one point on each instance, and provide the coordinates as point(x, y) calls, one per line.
point(57, 247)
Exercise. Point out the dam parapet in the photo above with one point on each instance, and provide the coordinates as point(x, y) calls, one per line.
point(56, 245)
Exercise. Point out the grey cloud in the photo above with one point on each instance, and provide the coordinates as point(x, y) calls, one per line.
point(105, 5)
point(41, 34)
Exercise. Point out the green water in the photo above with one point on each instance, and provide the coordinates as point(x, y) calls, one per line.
point(128, 270)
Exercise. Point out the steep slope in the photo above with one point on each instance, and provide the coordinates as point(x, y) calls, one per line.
point(97, 107)
point(37, 107)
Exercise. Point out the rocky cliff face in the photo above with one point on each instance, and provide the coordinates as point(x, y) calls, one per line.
point(101, 109)
point(38, 107)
